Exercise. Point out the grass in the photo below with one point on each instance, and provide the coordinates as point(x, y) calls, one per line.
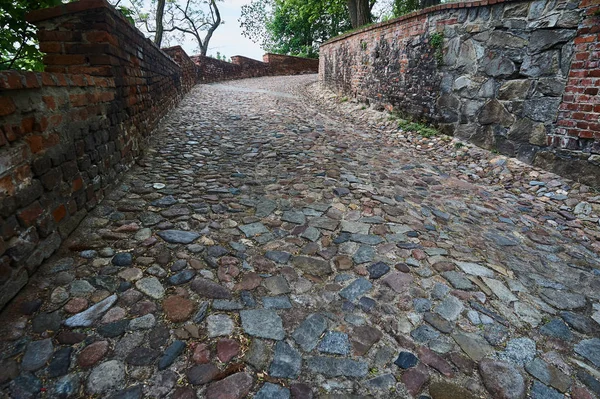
point(420, 128)
point(344, 99)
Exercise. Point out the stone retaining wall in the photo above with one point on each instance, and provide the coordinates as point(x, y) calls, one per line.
point(519, 77)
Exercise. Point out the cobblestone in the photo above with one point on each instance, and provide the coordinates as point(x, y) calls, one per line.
point(273, 236)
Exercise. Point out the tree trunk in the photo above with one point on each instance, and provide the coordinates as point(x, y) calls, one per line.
point(160, 10)
point(216, 15)
point(360, 12)
point(429, 3)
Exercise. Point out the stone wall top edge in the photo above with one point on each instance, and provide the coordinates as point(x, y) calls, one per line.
point(416, 14)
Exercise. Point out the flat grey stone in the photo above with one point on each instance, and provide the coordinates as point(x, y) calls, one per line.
point(383, 382)
point(88, 316)
point(276, 285)
point(253, 229)
point(364, 254)
point(337, 367)
point(377, 270)
point(336, 343)
point(314, 266)
point(264, 208)
point(424, 334)
point(355, 227)
point(519, 351)
point(562, 300)
point(37, 354)
point(178, 236)
point(474, 269)
point(308, 332)
point(296, 217)
point(548, 374)
point(473, 345)
point(272, 391)
point(258, 355)
point(311, 234)
point(276, 302)
point(541, 391)
point(357, 288)
point(498, 288)
point(450, 308)
point(106, 376)
point(144, 322)
point(226, 304)
point(324, 223)
point(151, 287)
point(278, 256)
point(590, 349)
point(368, 239)
point(286, 361)
point(81, 288)
point(219, 325)
point(262, 323)
point(558, 329)
point(458, 280)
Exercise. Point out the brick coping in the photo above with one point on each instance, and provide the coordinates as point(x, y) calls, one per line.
point(414, 14)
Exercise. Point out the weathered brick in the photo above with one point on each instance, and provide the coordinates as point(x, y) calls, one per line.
point(59, 213)
point(7, 106)
point(28, 215)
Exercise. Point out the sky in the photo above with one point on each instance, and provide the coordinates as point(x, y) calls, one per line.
point(228, 39)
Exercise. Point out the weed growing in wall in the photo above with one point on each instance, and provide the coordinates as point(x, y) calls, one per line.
point(436, 41)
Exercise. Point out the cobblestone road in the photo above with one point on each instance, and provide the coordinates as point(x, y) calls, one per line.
point(276, 246)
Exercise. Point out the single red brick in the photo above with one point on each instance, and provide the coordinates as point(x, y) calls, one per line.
point(59, 213)
point(29, 214)
point(7, 106)
point(36, 143)
point(27, 125)
point(101, 37)
point(77, 184)
point(61, 59)
point(50, 47)
point(50, 102)
point(7, 186)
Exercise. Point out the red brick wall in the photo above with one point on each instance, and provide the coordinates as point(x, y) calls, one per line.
point(67, 134)
point(213, 70)
point(579, 116)
point(288, 65)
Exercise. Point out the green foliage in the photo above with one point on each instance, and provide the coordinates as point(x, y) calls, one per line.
point(420, 128)
point(436, 40)
point(18, 40)
point(294, 27)
point(403, 7)
point(128, 13)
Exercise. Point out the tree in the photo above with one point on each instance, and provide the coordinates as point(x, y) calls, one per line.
point(167, 18)
point(294, 27)
point(160, 11)
point(360, 12)
point(18, 38)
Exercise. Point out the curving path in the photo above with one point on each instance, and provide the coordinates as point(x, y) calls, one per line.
point(274, 242)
